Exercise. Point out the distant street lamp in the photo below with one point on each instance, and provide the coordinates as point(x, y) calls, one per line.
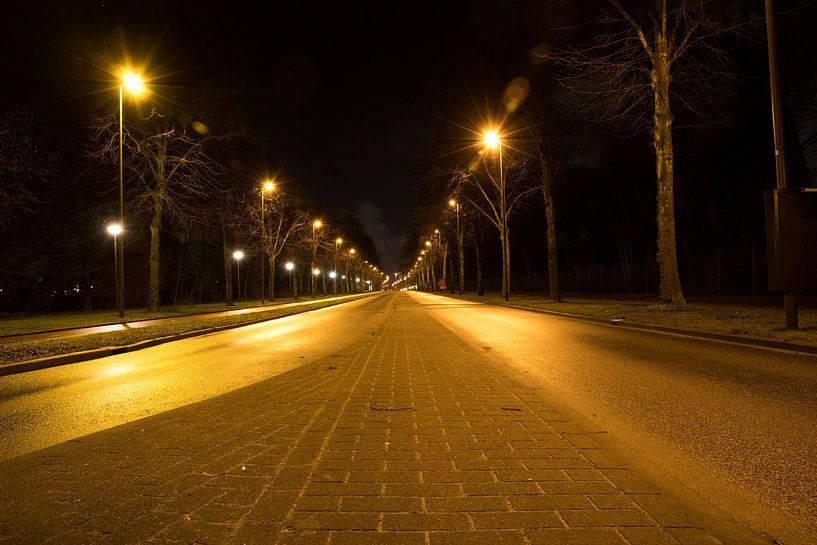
point(461, 261)
point(133, 83)
point(351, 287)
point(289, 266)
point(315, 225)
point(338, 242)
point(267, 187)
point(238, 255)
point(115, 229)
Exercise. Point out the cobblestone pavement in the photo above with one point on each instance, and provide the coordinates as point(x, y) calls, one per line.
point(407, 438)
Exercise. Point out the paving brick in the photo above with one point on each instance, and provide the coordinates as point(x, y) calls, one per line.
point(575, 536)
point(549, 502)
point(517, 519)
point(425, 521)
point(382, 504)
point(378, 538)
point(467, 504)
point(607, 517)
point(425, 489)
point(333, 521)
point(479, 537)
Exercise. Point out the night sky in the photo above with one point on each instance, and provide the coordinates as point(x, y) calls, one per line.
point(354, 100)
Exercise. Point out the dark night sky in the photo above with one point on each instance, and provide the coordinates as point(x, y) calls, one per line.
point(356, 100)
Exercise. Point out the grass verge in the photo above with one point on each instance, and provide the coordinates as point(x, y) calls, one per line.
point(762, 322)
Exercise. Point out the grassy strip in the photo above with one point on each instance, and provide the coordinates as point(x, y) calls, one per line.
point(17, 351)
point(12, 325)
point(764, 322)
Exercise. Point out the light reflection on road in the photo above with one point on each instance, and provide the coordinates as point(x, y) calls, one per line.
point(49, 406)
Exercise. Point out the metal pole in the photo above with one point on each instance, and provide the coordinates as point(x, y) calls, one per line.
point(238, 277)
point(789, 297)
point(263, 244)
point(120, 260)
point(116, 272)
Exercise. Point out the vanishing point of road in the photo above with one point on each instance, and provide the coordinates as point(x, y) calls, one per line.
point(413, 418)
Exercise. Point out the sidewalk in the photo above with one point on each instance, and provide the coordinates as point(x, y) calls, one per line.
point(408, 438)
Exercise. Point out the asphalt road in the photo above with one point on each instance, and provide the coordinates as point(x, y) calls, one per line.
point(46, 407)
point(728, 424)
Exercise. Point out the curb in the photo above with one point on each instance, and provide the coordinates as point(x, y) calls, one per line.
point(87, 355)
point(695, 333)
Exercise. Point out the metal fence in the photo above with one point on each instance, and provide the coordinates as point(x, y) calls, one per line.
point(724, 271)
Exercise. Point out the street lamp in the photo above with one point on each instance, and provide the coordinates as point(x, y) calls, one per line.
point(493, 140)
point(238, 255)
point(115, 229)
point(338, 242)
point(351, 287)
point(317, 224)
point(460, 259)
point(132, 82)
point(289, 266)
point(267, 187)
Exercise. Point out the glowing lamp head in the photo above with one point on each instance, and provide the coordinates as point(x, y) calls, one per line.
point(317, 224)
point(269, 186)
point(491, 139)
point(428, 243)
point(333, 275)
point(114, 229)
point(133, 83)
point(338, 240)
point(452, 202)
point(316, 271)
point(289, 266)
point(238, 255)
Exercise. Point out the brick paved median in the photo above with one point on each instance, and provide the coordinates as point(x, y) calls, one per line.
point(408, 438)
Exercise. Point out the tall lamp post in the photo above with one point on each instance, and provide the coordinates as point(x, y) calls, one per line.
point(461, 264)
point(133, 83)
point(351, 286)
point(315, 226)
point(266, 187)
point(338, 242)
point(492, 140)
point(289, 266)
point(115, 230)
point(238, 255)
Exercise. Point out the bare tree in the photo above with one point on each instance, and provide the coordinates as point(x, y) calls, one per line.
point(640, 57)
point(26, 162)
point(171, 174)
point(495, 184)
point(284, 224)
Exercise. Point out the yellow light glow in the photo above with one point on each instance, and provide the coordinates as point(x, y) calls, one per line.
point(289, 266)
point(114, 229)
point(316, 271)
point(452, 202)
point(428, 243)
point(338, 240)
point(317, 224)
point(269, 186)
point(132, 82)
point(352, 251)
point(238, 254)
point(491, 138)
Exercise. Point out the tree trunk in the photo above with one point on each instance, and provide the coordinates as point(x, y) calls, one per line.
point(670, 283)
point(155, 269)
point(480, 290)
point(271, 285)
point(552, 240)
